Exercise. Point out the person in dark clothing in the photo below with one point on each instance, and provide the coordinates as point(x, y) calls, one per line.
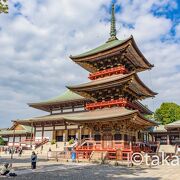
point(20, 152)
point(10, 151)
point(33, 160)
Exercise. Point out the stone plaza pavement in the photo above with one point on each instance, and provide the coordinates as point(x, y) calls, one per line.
point(86, 171)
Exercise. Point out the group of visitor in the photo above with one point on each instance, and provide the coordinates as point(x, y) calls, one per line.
point(7, 169)
point(9, 150)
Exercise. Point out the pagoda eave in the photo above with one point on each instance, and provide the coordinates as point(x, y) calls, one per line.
point(130, 81)
point(66, 100)
point(127, 48)
point(104, 115)
point(57, 105)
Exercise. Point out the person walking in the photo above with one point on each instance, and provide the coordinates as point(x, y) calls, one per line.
point(33, 160)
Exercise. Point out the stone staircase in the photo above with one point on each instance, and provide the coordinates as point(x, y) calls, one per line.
point(98, 155)
point(59, 146)
point(167, 148)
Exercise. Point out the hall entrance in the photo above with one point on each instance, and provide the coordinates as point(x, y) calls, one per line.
point(107, 140)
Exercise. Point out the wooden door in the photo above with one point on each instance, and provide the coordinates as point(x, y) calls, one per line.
point(107, 141)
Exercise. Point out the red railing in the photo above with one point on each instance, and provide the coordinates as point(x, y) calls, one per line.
point(108, 72)
point(122, 102)
point(83, 154)
point(120, 150)
point(118, 102)
point(100, 145)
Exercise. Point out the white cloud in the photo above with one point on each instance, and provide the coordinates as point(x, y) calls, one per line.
point(36, 40)
point(178, 30)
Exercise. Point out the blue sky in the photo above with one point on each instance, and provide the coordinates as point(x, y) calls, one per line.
point(37, 37)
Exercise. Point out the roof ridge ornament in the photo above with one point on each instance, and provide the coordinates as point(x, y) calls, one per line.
point(113, 25)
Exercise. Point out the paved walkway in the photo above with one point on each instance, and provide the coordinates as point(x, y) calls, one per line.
point(48, 170)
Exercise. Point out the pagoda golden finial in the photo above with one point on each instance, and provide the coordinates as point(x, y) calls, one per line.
point(113, 25)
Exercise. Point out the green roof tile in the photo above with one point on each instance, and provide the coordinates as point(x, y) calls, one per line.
point(66, 96)
point(27, 128)
point(106, 46)
point(10, 132)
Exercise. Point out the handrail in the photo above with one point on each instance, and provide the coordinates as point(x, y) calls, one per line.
point(58, 154)
point(122, 102)
point(158, 146)
point(108, 72)
point(44, 141)
point(119, 102)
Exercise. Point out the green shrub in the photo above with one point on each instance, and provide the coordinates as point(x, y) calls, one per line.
point(53, 142)
point(2, 142)
point(71, 141)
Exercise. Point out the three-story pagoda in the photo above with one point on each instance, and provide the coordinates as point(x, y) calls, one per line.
point(115, 87)
point(111, 114)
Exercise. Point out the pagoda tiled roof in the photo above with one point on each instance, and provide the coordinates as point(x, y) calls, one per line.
point(114, 47)
point(69, 96)
point(65, 97)
point(136, 84)
point(106, 46)
point(96, 115)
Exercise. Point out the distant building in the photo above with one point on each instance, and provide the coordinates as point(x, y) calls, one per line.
point(166, 134)
point(17, 135)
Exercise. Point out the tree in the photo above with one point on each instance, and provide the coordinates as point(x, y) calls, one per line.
point(167, 113)
point(2, 142)
point(3, 6)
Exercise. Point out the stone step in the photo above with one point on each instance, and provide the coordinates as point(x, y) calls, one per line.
point(167, 148)
point(96, 155)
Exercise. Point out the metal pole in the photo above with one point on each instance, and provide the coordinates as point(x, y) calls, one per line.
point(12, 152)
point(80, 134)
point(31, 135)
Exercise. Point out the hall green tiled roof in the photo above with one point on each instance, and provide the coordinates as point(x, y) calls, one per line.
point(159, 128)
point(66, 96)
point(27, 128)
point(173, 124)
point(10, 132)
point(105, 46)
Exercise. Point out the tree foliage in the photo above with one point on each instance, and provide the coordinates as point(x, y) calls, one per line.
point(2, 142)
point(167, 113)
point(3, 6)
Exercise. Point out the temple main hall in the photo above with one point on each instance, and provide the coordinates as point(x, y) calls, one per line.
point(106, 113)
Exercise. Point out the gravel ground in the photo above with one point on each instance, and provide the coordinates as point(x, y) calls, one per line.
point(94, 172)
